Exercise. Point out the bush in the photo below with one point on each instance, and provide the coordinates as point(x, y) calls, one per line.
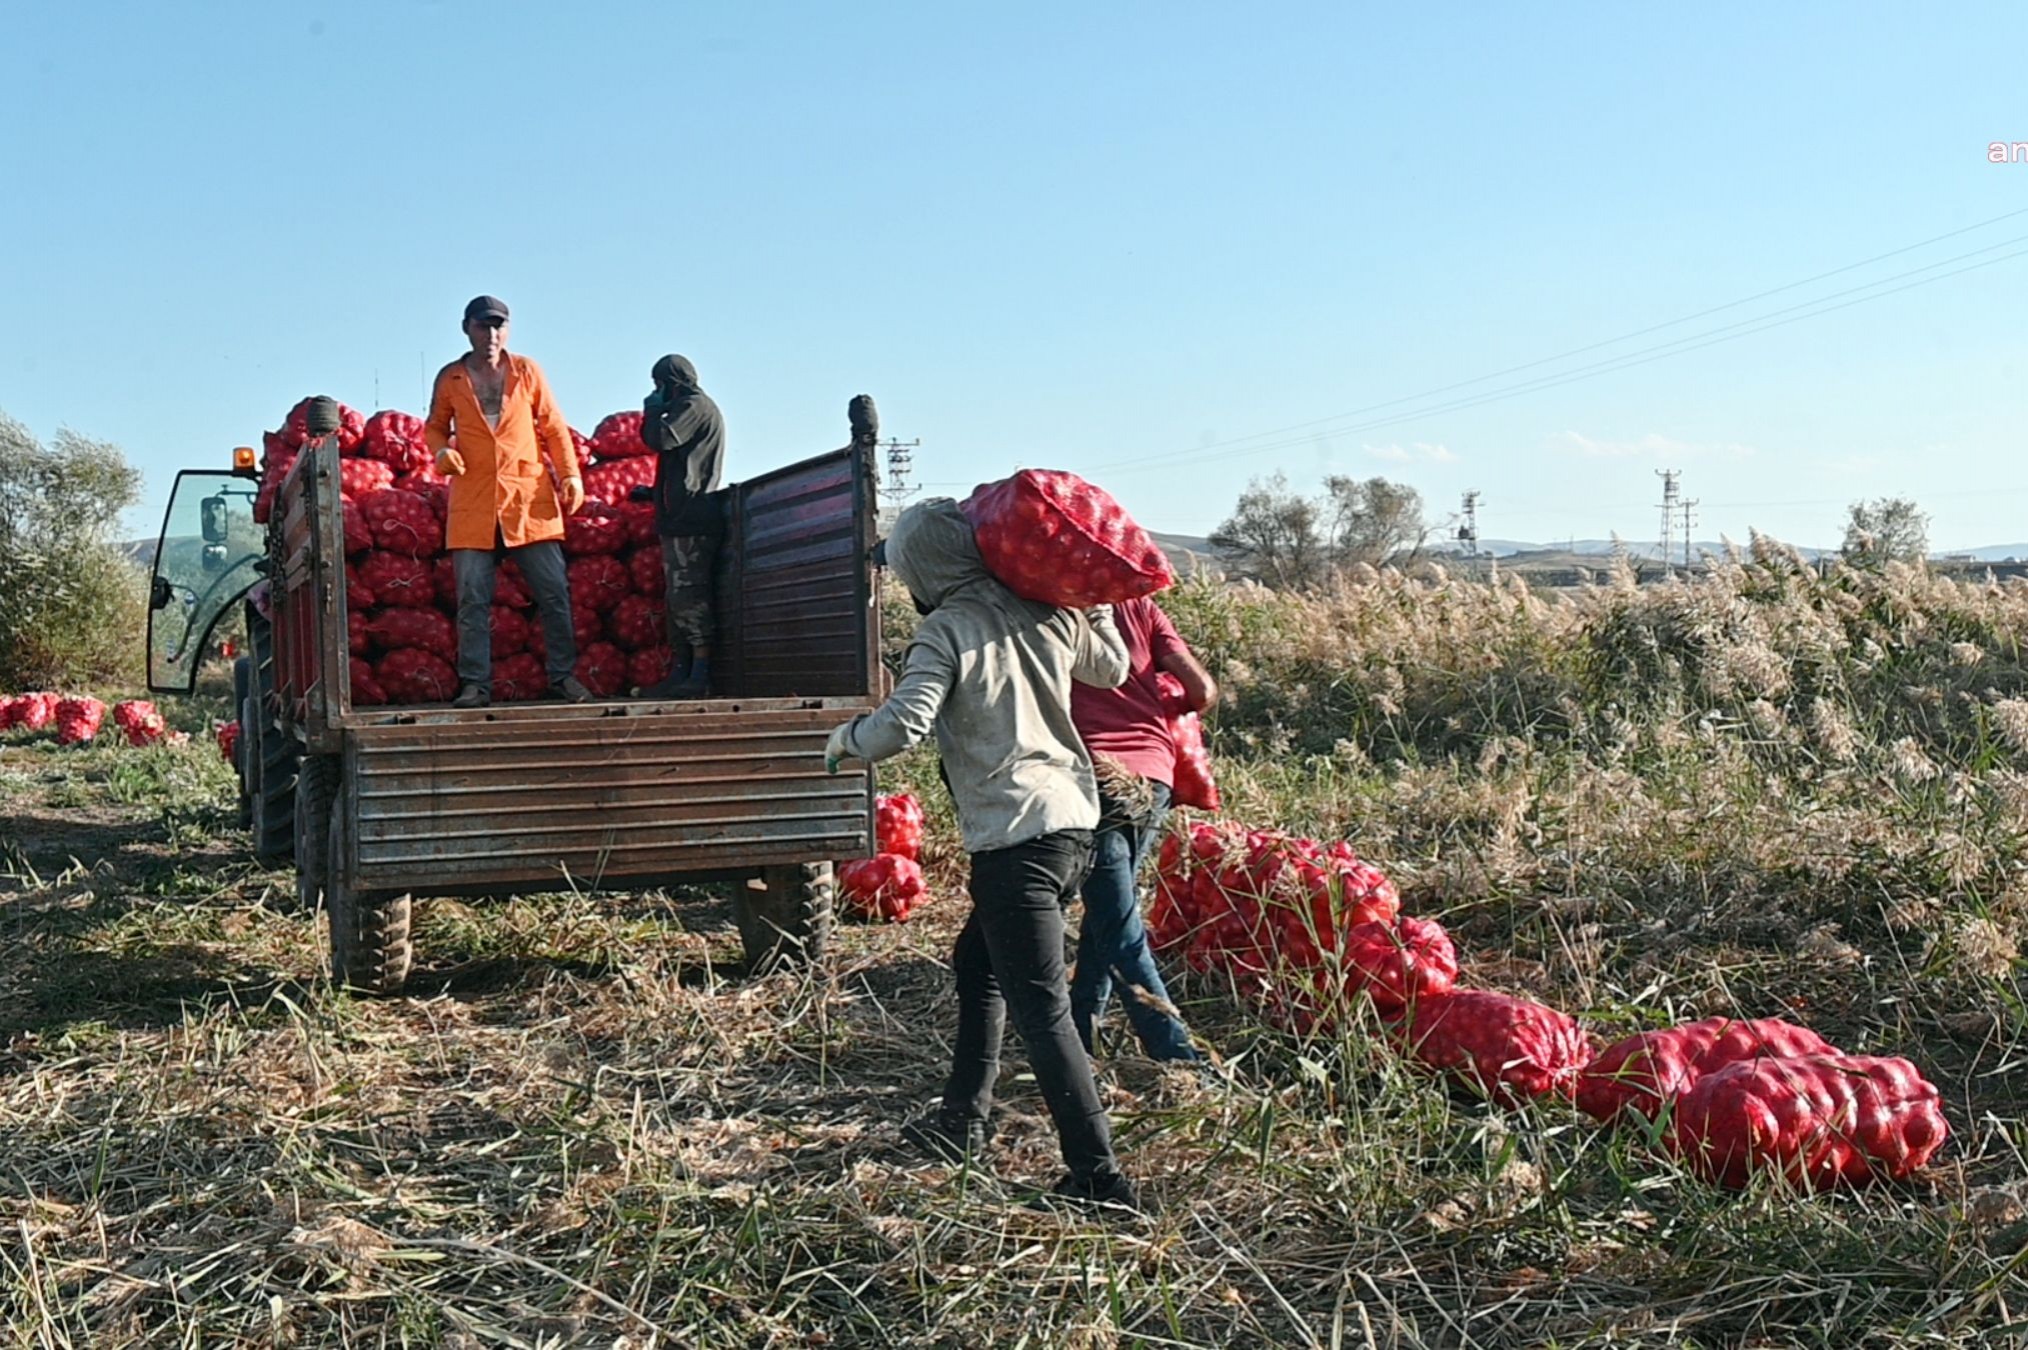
point(73, 608)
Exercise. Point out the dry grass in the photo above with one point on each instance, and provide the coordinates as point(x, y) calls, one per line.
point(588, 1127)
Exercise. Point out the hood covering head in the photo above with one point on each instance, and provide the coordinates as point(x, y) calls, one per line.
point(676, 370)
point(932, 550)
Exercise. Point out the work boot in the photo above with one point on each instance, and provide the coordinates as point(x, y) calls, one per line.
point(948, 1138)
point(473, 696)
point(1109, 1192)
point(569, 690)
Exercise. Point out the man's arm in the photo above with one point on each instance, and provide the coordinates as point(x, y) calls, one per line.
point(910, 711)
point(550, 428)
point(1173, 655)
point(1101, 658)
point(437, 429)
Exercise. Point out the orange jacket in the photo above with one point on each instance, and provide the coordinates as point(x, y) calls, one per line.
point(505, 483)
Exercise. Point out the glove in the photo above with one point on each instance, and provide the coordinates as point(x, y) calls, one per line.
point(836, 750)
point(643, 493)
point(573, 495)
point(450, 463)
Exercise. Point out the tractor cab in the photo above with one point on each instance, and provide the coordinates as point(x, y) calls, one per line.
point(209, 555)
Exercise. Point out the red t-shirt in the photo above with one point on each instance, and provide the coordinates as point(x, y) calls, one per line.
point(1127, 723)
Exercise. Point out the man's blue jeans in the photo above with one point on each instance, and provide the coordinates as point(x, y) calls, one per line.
point(1112, 942)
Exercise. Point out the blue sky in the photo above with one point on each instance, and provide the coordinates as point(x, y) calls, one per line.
point(1127, 240)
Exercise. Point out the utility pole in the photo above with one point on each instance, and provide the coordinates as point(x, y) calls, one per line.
point(1670, 507)
point(1468, 528)
point(894, 484)
point(1688, 521)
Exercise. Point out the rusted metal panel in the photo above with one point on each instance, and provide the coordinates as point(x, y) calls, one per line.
point(549, 797)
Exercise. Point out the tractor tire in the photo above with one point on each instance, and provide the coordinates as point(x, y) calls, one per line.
point(785, 917)
point(316, 797)
point(272, 754)
point(371, 945)
point(242, 681)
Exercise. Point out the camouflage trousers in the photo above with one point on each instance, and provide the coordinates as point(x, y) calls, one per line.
point(687, 562)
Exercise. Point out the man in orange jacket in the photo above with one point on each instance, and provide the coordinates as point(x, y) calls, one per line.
point(502, 498)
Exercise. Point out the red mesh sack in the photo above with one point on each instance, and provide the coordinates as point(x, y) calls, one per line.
point(636, 623)
point(409, 675)
point(403, 522)
point(1194, 785)
point(358, 477)
point(650, 665)
point(1818, 1120)
point(432, 488)
point(1400, 963)
point(37, 710)
point(358, 632)
point(510, 632)
point(8, 705)
point(592, 531)
point(359, 596)
point(510, 588)
point(138, 720)
point(78, 720)
point(583, 445)
point(396, 440)
point(398, 580)
point(618, 436)
point(611, 482)
point(228, 742)
point(1644, 1071)
point(1052, 537)
point(421, 629)
point(644, 568)
point(639, 520)
point(1510, 1048)
point(602, 668)
point(898, 825)
point(885, 887)
point(353, 524)
point(275, 467)
point(366, 690)
point(598, 583)
point(518, 678)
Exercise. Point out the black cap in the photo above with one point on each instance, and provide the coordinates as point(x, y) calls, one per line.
point(486, 307)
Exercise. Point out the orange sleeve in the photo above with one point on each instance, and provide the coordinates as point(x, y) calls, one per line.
point(437, 429)
point(550, 428)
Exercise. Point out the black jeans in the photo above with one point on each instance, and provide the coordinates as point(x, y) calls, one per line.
point(1010, 957)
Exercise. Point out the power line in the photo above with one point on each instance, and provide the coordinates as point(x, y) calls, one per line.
point(1638, 332)
point(1677, 347)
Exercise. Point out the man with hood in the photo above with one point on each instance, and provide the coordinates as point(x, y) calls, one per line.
point(991, 674)
point(681, 424)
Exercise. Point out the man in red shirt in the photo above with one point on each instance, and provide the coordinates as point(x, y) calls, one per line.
point(1127, 733)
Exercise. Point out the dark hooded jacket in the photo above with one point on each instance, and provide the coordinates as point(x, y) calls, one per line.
point(990, 673)
point(681, 424)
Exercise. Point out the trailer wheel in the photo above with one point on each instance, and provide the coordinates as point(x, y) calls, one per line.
point(371, 949)
point(316, 793)
point(271, 753)
point(242, 681)
point(785, 919)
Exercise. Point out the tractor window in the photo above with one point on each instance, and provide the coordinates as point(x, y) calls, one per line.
point(204, 562)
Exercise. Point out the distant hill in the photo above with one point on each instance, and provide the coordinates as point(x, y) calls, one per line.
point(1188, 553)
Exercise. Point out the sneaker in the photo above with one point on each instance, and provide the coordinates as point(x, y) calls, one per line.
point(1105, 1191)
point(569, 690)
point(953, 1139)
point(473, 696)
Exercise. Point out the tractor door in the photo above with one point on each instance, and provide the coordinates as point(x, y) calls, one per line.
point(208, 557)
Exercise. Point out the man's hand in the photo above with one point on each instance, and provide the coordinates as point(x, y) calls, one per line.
point(450, 463)
point(573, 495)
point(836, 750)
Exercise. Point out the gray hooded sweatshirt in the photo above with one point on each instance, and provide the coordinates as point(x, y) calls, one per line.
point(991, 673)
